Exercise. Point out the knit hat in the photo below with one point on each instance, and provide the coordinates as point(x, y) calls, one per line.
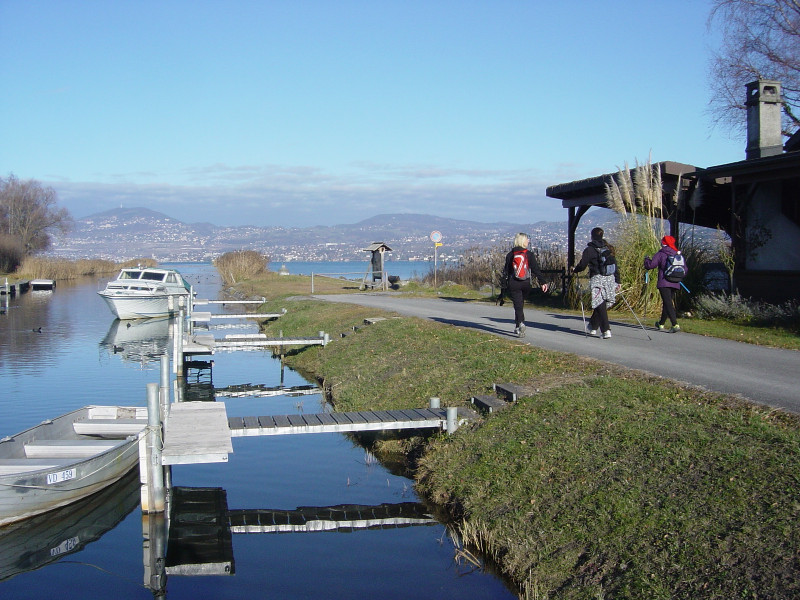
point(668, 240)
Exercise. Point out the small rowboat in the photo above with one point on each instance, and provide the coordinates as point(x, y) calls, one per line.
point(66, 459)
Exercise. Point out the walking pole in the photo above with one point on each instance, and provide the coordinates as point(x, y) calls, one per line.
point(583, 314)
point(636, 317)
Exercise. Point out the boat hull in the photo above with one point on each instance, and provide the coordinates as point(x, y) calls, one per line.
point(42, 489)
point(141, 307)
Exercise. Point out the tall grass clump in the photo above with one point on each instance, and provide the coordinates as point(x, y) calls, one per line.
point(744, 311)
point(638, 196)
point(236, 266)
point(39, 267)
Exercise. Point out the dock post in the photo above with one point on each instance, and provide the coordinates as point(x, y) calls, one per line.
point(452, 419)
point(179, 336)
point(164, 388)
point(433, 403)
point(155, 472)
point(154, 547)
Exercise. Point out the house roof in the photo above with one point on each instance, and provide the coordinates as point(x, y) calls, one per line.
point(780, 166)
point(377, 246)
point(592, 191)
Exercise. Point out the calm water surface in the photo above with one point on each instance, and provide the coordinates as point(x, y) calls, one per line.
point(83, 356)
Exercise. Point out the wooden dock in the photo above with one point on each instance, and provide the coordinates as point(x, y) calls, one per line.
point(196, 432)
point(208, 344)
point(345, 422)
point(201, 432)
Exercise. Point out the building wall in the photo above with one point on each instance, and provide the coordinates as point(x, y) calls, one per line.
point(773, 240)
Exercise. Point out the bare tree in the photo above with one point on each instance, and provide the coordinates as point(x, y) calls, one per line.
point(29, 213)
point(760, 40)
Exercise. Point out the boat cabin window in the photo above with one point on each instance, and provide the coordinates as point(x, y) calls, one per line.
point(129, 275)
point(152, 276)
point(171, 278)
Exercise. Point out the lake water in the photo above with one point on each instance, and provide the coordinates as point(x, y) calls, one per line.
point(83, 356)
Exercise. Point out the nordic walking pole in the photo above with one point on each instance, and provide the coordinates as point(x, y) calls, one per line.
point(583, 314)
point(636, 317)
point(684, 287)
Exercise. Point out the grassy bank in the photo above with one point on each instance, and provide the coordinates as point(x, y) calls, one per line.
point(601, 483)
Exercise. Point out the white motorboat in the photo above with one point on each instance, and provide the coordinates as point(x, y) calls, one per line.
point(141, 292)
point(63, 460)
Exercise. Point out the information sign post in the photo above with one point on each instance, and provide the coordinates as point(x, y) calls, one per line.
point(436, 238)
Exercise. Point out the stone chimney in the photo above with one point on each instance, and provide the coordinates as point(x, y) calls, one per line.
point(764, 136)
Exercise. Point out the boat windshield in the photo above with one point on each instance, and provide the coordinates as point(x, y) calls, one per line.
point(153, 275)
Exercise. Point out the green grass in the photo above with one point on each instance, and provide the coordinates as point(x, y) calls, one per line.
point(601, 483)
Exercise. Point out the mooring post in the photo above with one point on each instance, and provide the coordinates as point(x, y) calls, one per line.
point(452, 419)
point(433, 402)
point(179, 336)
point(163, 390)
point(312, 282)
point(155, 472)
point(154, 547)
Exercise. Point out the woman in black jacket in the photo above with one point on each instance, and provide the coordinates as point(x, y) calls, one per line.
point(519, 266)
point(603, 281)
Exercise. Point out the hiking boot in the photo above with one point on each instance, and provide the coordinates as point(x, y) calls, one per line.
point(676, 328)
point(591, 331)
point(607, 335)
point(659, 326)
point(521, 330)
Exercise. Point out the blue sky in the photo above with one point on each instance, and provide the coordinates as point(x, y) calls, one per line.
point(298, 113)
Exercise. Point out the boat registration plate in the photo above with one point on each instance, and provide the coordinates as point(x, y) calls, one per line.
point(61, 476)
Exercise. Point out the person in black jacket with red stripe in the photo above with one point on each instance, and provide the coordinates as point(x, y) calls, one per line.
point(520, 264)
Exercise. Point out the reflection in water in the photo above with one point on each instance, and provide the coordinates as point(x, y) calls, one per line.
point(35, 542)
point(139, 341)
point(198, 539)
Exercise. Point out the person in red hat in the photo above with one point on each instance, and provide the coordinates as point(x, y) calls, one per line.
point(666, 288)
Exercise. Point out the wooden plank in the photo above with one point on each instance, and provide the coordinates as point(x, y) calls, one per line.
point(510, 390)
point(489, 403)
point(296, 420)
point(312, 420)
point(196, 432)
point(411, 415)
point(355, 417)
point(267, 422)
point(236, 423)
point(281, 421)
point(397, 415)
point(251, 422)
point(69, 448)
point(372, 417)
point(326, 418)
point(109, 427)
point(383, 415)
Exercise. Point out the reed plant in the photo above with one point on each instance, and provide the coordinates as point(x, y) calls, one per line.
point(40, 267)
point(234, 267)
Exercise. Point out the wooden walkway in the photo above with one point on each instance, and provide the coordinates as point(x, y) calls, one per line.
point(344, 422)
point(201, 432)
point(196, 432)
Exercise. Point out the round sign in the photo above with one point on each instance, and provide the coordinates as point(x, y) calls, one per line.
point(436, 237)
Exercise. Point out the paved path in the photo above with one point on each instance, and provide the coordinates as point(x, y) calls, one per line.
point(764, 375)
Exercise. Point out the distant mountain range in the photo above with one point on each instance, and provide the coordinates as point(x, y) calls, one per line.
point(125, 233)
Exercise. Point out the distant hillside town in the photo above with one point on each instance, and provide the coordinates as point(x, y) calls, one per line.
point(126, 233)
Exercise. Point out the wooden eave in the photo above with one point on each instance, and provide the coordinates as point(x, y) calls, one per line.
point(592, 191)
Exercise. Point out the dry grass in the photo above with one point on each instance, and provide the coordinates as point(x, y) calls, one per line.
point(37, 267)
point(241, 265)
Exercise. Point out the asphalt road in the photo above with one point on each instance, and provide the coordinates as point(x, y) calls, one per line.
point(764, 375)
